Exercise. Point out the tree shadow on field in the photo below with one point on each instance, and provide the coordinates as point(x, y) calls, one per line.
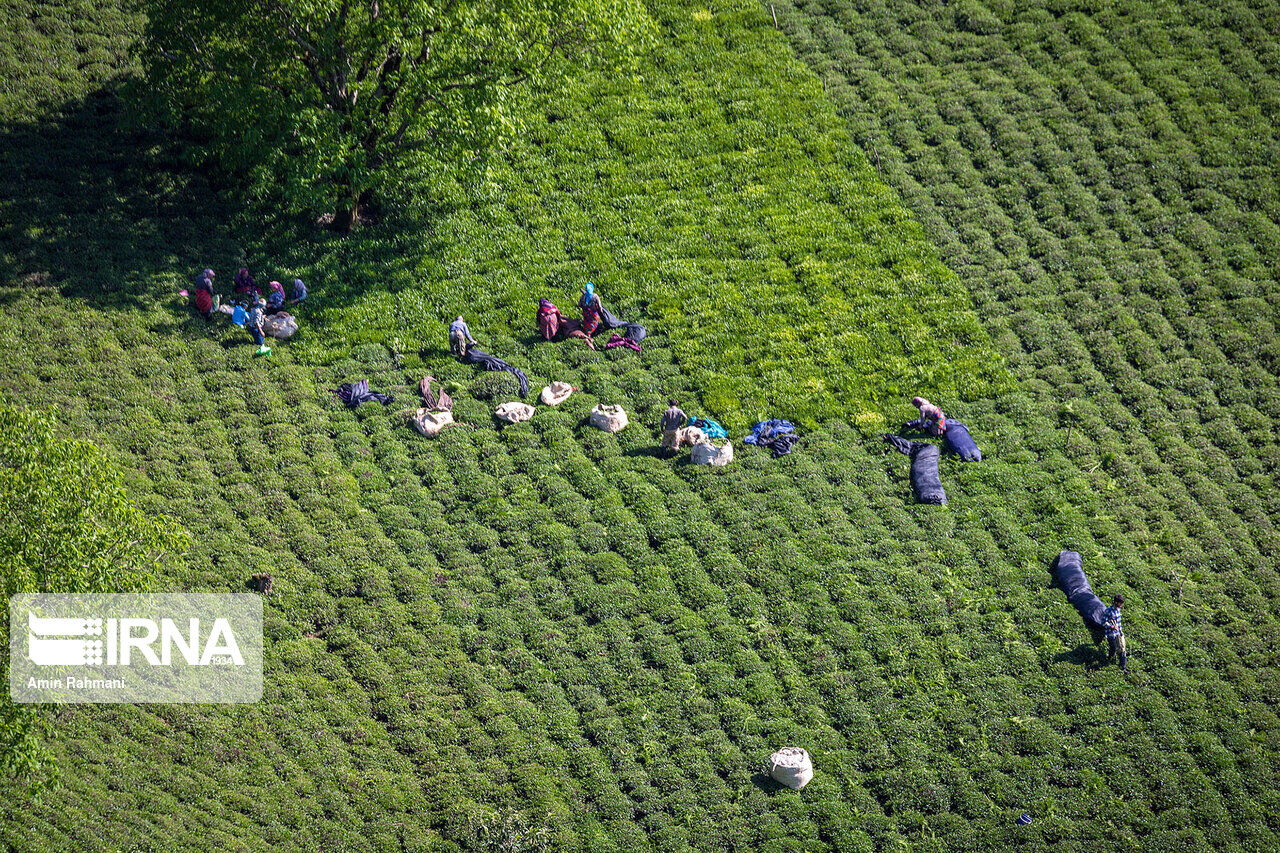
point(1086, 655)
point(115, 216)
point(103, 212)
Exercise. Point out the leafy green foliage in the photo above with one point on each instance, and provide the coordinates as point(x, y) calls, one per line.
point(335, 99)
point(495, 386)
point(66, 525)
point(1082, 167)
point(548, 626)
point(52, 52)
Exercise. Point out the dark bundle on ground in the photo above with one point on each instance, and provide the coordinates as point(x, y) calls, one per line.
point(925, 481)
point(492, 362)
point(634, 331)
point(355, 393)
point(1068, 571)
point(960, 442)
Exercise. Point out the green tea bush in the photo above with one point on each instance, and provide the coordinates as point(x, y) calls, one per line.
point(631, 637)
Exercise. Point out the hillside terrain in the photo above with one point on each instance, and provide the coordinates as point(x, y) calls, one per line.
point(550, 629)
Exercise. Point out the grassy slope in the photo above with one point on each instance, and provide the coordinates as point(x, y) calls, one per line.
point(1102, 176)
point(550, 619)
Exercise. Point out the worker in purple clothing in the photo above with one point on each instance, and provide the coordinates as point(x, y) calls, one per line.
point(459, 337)
point(1115, 633)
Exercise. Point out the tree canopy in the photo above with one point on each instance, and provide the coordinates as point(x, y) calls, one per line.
point(67, 525)
point(328, 100)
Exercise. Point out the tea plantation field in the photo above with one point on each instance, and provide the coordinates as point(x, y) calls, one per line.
point(548, 631)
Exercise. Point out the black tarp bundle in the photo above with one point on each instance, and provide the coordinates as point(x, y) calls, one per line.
point(925, 481)
point(1068, 571)
point(492, 362)
point(960, 442)
point(777, 434)
point(355, 393)
point(634, 331)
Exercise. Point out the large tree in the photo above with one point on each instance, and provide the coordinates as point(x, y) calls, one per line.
point(332, 99)
point(66, 525)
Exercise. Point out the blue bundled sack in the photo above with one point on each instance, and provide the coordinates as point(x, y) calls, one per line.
point(960, 442)
point(710, 427)
point(766, 431)
point(777, 435)
point(1068, 570)
point(925, 480)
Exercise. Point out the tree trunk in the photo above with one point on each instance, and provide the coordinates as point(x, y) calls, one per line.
point(345, 218)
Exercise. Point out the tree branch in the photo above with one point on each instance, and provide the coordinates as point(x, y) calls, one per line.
point(310, 57)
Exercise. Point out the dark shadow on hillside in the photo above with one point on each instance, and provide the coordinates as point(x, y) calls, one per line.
point(102, 212)
point(340, 269)
point(1087, 655)
point(767, 783)
point(113, 215)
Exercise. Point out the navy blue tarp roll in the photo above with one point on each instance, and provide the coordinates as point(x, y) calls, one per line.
point(925, 480)
point(492, 362)
point(355, 393)
point(609, 320)
point(1068, 570)
point(634, 331)
point(960, 442)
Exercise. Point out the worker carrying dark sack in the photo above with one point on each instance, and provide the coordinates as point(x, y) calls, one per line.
point(1115, 633)
point(1068, 571)
point(955, 436)
point(935, 421)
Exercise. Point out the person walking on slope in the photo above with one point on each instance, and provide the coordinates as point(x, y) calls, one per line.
point(204, 298)
point(672, 420)
point(253, 322)
point(1115, 633)
point(935, 421)
point(459, 337)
